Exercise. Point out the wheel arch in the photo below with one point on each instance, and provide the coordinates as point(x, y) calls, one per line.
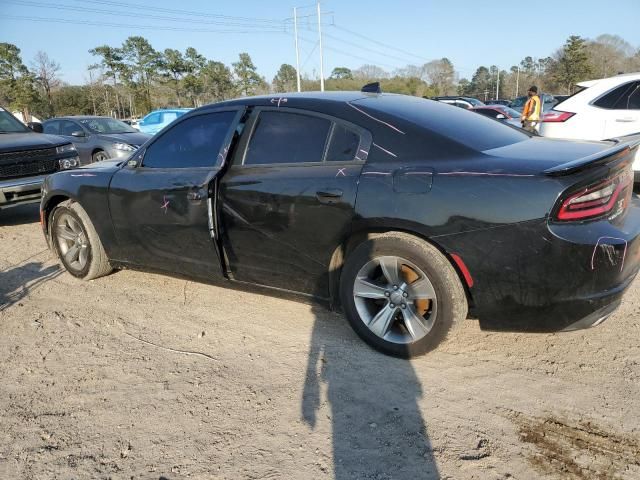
point(343, 250)
point(47, 208)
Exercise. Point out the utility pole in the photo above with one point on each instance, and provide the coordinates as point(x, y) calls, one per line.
point(518, 82)
point(498, 85)
point(320, 44)
point(295, 30)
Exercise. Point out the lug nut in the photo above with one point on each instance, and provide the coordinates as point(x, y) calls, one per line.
point(395, 287)
point(386, 294)
point(391, 305)
point(405, 294)
point(404, 305)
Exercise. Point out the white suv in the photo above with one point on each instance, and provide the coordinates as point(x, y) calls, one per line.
point(603, 109)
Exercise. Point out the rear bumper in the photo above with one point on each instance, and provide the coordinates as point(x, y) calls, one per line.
point(19, 191)
point(542, 277)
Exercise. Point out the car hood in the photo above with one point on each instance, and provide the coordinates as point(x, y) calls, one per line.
point(136, 138)
point(12, 142)
point(537, 154)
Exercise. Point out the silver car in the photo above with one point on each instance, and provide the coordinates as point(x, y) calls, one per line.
point(97, 138)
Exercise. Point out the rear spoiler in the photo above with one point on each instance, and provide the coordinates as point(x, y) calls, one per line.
point(623, 147)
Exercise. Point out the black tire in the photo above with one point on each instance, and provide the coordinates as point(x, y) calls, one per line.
point(451, 298)
point(99, 156)
point(97, 263)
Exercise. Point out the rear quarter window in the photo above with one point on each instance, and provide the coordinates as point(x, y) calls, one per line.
point(464, 127)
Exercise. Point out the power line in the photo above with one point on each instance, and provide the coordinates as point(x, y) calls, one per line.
point(143, 27)
point(138, 15)
point(377, 42)
point(348, 54)
point(177, 11)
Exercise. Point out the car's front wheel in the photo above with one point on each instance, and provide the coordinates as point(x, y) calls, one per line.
point(76, 242)
point(401, 295)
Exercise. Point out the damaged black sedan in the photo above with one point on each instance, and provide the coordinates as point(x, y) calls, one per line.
point(406, 213)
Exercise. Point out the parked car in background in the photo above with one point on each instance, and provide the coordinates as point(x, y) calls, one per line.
point(387, 205)
point(459, 101)
point(498, 102)
point(604, 108)
point(548, 101)
point(500, 112)
point(97, 138)
point(158, 119)
point(26, 158)
point(561, 98)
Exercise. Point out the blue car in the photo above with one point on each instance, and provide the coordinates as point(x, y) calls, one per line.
point(158, 119)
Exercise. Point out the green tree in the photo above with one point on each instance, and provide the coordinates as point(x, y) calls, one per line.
point(175, 68)
point(193, 81)
point(286, 79)
point(218, 81)
point(246, 74)
point(341, 73)
point(572, 63)
point(17, 84)
point(112, 66)
point(142, 65)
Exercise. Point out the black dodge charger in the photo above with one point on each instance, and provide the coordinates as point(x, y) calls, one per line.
point(405, 212)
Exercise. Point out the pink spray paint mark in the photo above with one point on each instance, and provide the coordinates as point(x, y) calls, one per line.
point(593, 255)
point(165, 205)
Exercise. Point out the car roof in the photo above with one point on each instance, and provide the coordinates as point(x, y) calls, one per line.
point(78, 117)
point(623, 77)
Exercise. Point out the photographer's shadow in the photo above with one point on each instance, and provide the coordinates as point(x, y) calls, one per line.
point(377, 427)
point(19, 281)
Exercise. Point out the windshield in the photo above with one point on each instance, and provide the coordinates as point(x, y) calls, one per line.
point(10, 124)
point(106, 125)
point(474, 101)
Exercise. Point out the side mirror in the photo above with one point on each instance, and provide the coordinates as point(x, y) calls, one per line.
point(35, 126)
point(500, 116)
point(78, 133)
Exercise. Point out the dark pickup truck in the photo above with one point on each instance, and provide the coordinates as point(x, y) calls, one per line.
point(26, 158)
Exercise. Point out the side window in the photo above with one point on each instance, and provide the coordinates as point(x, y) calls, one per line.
point(52, 128)
point(152, 118)
point(633, 102)
point(617, 98)
point(343, 144)
point(284, 137)
point(168, 117)
point(67, 128)
point(195, 142)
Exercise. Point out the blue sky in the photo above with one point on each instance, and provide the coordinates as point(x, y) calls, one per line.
point(469, 33)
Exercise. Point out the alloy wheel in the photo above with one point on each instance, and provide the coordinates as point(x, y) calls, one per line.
point(395, 299)
point(72, 242)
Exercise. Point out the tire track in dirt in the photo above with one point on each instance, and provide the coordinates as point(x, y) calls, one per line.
point(578, 450)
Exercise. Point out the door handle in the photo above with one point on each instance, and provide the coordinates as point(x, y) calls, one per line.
point(196, 195)
point(329, 195)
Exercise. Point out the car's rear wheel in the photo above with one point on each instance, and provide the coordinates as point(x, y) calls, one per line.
point(401, 295)
point(76, 242)
point(99, 156)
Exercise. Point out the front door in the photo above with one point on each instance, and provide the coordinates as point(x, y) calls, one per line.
point(162, 207)
point(287, 201)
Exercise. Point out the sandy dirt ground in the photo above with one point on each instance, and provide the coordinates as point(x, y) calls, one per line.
point(149, 377)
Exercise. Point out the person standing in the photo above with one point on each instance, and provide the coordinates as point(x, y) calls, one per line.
point(531, 112)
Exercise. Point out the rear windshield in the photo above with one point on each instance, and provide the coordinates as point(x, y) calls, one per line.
point(476, 132)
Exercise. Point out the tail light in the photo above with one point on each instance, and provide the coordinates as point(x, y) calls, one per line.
point(608, 197)
point(554, 116)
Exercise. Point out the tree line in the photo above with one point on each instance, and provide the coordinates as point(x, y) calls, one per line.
point(134, 78)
